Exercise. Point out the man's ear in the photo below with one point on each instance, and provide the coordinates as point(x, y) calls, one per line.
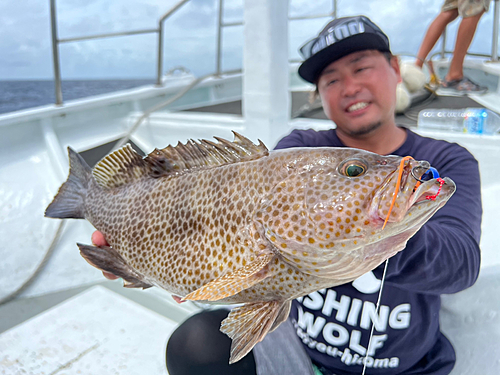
point(395, 65)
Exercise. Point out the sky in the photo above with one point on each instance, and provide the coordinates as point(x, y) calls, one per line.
point(190, 34)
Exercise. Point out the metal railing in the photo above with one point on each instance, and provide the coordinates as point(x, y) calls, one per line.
point(494, 39)
point(332, 14)
point(221, 25)
point(160, 39)
point(56, 41)
point(159, 30)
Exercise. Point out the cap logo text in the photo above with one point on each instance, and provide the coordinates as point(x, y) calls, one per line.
point(337, 33)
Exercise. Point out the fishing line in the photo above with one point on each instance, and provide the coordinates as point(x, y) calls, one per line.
point(376, 313)
point(398, 182)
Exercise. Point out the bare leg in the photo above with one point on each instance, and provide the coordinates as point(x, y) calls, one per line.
point(434, 31)
point(465, 34)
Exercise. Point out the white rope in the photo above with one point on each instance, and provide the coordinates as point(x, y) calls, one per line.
point(39, 268)
point(376, 313)
point(157, 107)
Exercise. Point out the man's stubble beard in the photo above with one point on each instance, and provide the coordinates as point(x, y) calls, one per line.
point(364, 130)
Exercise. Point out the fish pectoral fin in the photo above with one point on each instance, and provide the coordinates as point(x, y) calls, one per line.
point(109, 260)
point(233, 282)
point(247, 325)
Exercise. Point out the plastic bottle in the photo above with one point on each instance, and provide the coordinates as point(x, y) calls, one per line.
point(467, 120)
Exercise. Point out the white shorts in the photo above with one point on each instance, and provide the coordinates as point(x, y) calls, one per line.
point(466, 8)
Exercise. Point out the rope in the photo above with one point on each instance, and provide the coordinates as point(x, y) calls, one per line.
point(39, 268)
point(155, 108)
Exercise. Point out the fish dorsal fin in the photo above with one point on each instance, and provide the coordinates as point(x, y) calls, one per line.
point(125, 165)
point(120, 167)
point(203, 154)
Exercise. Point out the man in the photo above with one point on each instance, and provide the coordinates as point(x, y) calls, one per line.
point(328, 331)
point(356, 78)
point(471, 12)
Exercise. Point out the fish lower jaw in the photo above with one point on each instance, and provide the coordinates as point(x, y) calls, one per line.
point(423, 193)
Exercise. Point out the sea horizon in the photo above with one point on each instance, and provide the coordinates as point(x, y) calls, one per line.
point(77, 79)
point(19, 94)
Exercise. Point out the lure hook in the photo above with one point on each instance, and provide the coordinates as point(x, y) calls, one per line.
point(430, 173)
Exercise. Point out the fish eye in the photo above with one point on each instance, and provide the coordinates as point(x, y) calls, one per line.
point(353, 168)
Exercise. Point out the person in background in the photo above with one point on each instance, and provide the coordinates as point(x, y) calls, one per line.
point(471, 12)
point(355, 75)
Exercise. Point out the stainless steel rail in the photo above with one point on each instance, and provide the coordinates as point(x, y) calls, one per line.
point(443, 44)
point(219, 35)
point(221, 24)
point(160, 39)
point(109, 35)
point(332, 14)
point(55, 52)
point(56, 41)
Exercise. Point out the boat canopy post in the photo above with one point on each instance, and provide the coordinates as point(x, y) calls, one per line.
point(266, 99)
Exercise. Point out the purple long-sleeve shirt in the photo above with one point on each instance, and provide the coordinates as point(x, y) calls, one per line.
point(442, 257)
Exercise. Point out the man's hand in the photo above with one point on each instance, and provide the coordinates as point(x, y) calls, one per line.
point(99, 240)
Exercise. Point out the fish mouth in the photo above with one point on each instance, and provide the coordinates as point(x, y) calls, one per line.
point(429, 189)
point(434, 189)
point(411, 192)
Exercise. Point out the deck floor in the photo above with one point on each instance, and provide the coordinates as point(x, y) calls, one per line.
point(97, 330)
point(22, 316)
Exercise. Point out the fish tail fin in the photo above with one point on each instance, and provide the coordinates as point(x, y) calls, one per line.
point(70, 199)
point(248, 324)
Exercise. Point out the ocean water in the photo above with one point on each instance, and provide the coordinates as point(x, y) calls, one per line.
point(17, 95)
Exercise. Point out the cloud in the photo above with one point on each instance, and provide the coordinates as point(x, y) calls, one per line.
point(24, 39)
point(309, 8)
point(233, 11)
point(190, 34)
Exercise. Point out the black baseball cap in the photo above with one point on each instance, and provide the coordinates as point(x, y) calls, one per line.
point(339, 38)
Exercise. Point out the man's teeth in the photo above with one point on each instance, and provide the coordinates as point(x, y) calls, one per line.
point(357, 106)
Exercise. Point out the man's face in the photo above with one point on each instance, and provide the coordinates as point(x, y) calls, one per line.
point(358, 92)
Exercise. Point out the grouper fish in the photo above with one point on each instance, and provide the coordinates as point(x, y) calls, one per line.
point(233, 223)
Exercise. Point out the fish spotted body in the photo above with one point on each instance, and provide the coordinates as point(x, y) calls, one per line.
point(230, 222)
